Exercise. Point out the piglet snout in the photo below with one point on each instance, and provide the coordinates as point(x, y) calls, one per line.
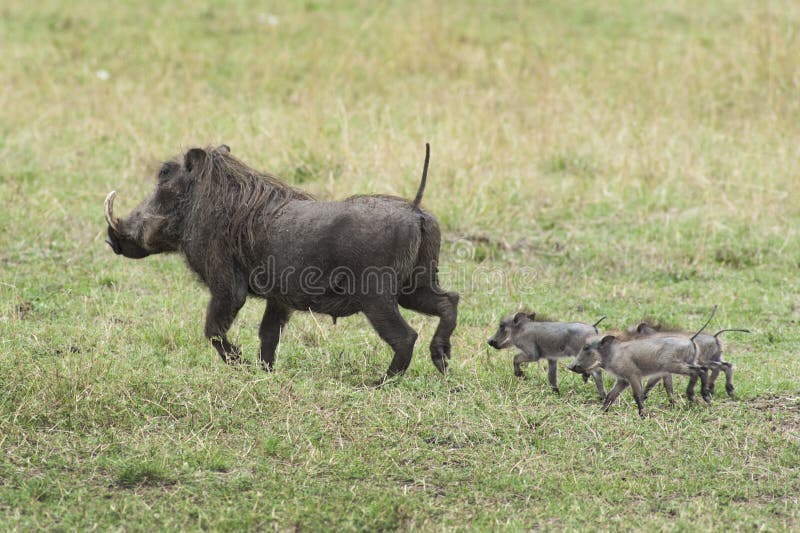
point(578, 369)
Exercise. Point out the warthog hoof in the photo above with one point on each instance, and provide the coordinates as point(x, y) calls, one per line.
point(440, 364)
point(729, 390)
point(380, 382)
point(234, 359)
point(440, 349)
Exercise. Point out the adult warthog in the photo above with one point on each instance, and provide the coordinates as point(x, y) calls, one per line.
point(247, 233)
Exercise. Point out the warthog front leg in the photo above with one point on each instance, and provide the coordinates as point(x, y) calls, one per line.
point(552, 374)
point(652, 382)
point(221, 312)
point(668, 388)
point(598, 381)
point(275, 318)
point(619, 386)
point(638, 395)
point(520, 358)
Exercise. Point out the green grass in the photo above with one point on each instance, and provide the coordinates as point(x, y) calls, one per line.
point(633, 160)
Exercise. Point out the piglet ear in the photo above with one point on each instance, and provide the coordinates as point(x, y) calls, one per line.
point(608, 340)
point(194, 159)
point(519, 317)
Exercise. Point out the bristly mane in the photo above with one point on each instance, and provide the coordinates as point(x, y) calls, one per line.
point(661, 327)
point(240, 194)
point(536, 316)
point(380, 196)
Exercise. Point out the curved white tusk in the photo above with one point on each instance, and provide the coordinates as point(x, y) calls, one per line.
point(108, 206)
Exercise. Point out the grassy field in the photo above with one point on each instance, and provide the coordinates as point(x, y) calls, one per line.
point(635, 159)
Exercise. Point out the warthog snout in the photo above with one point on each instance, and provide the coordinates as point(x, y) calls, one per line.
point(578, 369)
point(114, 244)
point(491, 342)
point(120, 232)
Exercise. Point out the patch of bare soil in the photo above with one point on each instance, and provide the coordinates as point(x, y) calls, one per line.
point(782, 410)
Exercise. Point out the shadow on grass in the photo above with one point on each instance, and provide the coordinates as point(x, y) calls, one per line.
point(146, 474)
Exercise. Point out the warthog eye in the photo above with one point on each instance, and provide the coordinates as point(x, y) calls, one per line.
point(166, 170)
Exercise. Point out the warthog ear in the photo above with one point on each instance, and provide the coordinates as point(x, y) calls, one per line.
point(642, 328)
point(194, 158)
point(532, 316)
point(224, 148)
point(519, 317)
point(608, 340)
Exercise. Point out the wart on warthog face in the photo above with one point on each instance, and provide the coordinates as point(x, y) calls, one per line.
point(156, 224)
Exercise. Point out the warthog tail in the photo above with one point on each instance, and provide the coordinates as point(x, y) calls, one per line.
point(713, 312)
point(724, 330)
point(418, 198)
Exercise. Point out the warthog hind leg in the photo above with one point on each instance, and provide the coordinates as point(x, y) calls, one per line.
point(436, 303)
point(385, 317)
